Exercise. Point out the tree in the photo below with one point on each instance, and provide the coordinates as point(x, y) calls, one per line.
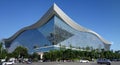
point(87, 48)
point(0, 48)
point(20, 51)
point(35, 56)
point(68, 54)
point(3, 52)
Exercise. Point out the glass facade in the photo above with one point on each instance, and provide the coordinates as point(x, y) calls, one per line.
point(78, 39)
point(53, 33)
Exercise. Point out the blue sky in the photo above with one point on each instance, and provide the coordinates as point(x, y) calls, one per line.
point(101, 16)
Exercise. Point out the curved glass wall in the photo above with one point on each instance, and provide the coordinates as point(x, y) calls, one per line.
point(52, 33)
point(36, 38)
point(78, 38)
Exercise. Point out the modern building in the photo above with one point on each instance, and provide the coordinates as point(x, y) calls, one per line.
point(53, 30)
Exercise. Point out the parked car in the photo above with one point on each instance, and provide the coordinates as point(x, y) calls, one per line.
point(2, 60)
point(84, 61)
point(104, 61)
point(8, 63)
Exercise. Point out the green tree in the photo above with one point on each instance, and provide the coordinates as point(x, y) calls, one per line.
point(35, 57)
point(20, 51)
point(87, 48)
point(3, 52)
point(68, 54)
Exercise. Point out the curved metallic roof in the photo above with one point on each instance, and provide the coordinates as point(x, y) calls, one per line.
point(55, 10)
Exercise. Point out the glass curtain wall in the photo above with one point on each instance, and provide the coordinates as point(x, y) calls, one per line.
point(52, 33)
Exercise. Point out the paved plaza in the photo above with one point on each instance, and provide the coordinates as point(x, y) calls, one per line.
point(66, 63)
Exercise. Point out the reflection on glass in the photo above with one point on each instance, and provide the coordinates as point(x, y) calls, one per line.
point(55, 32)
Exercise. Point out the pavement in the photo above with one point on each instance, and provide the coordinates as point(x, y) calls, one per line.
point(66, 63)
